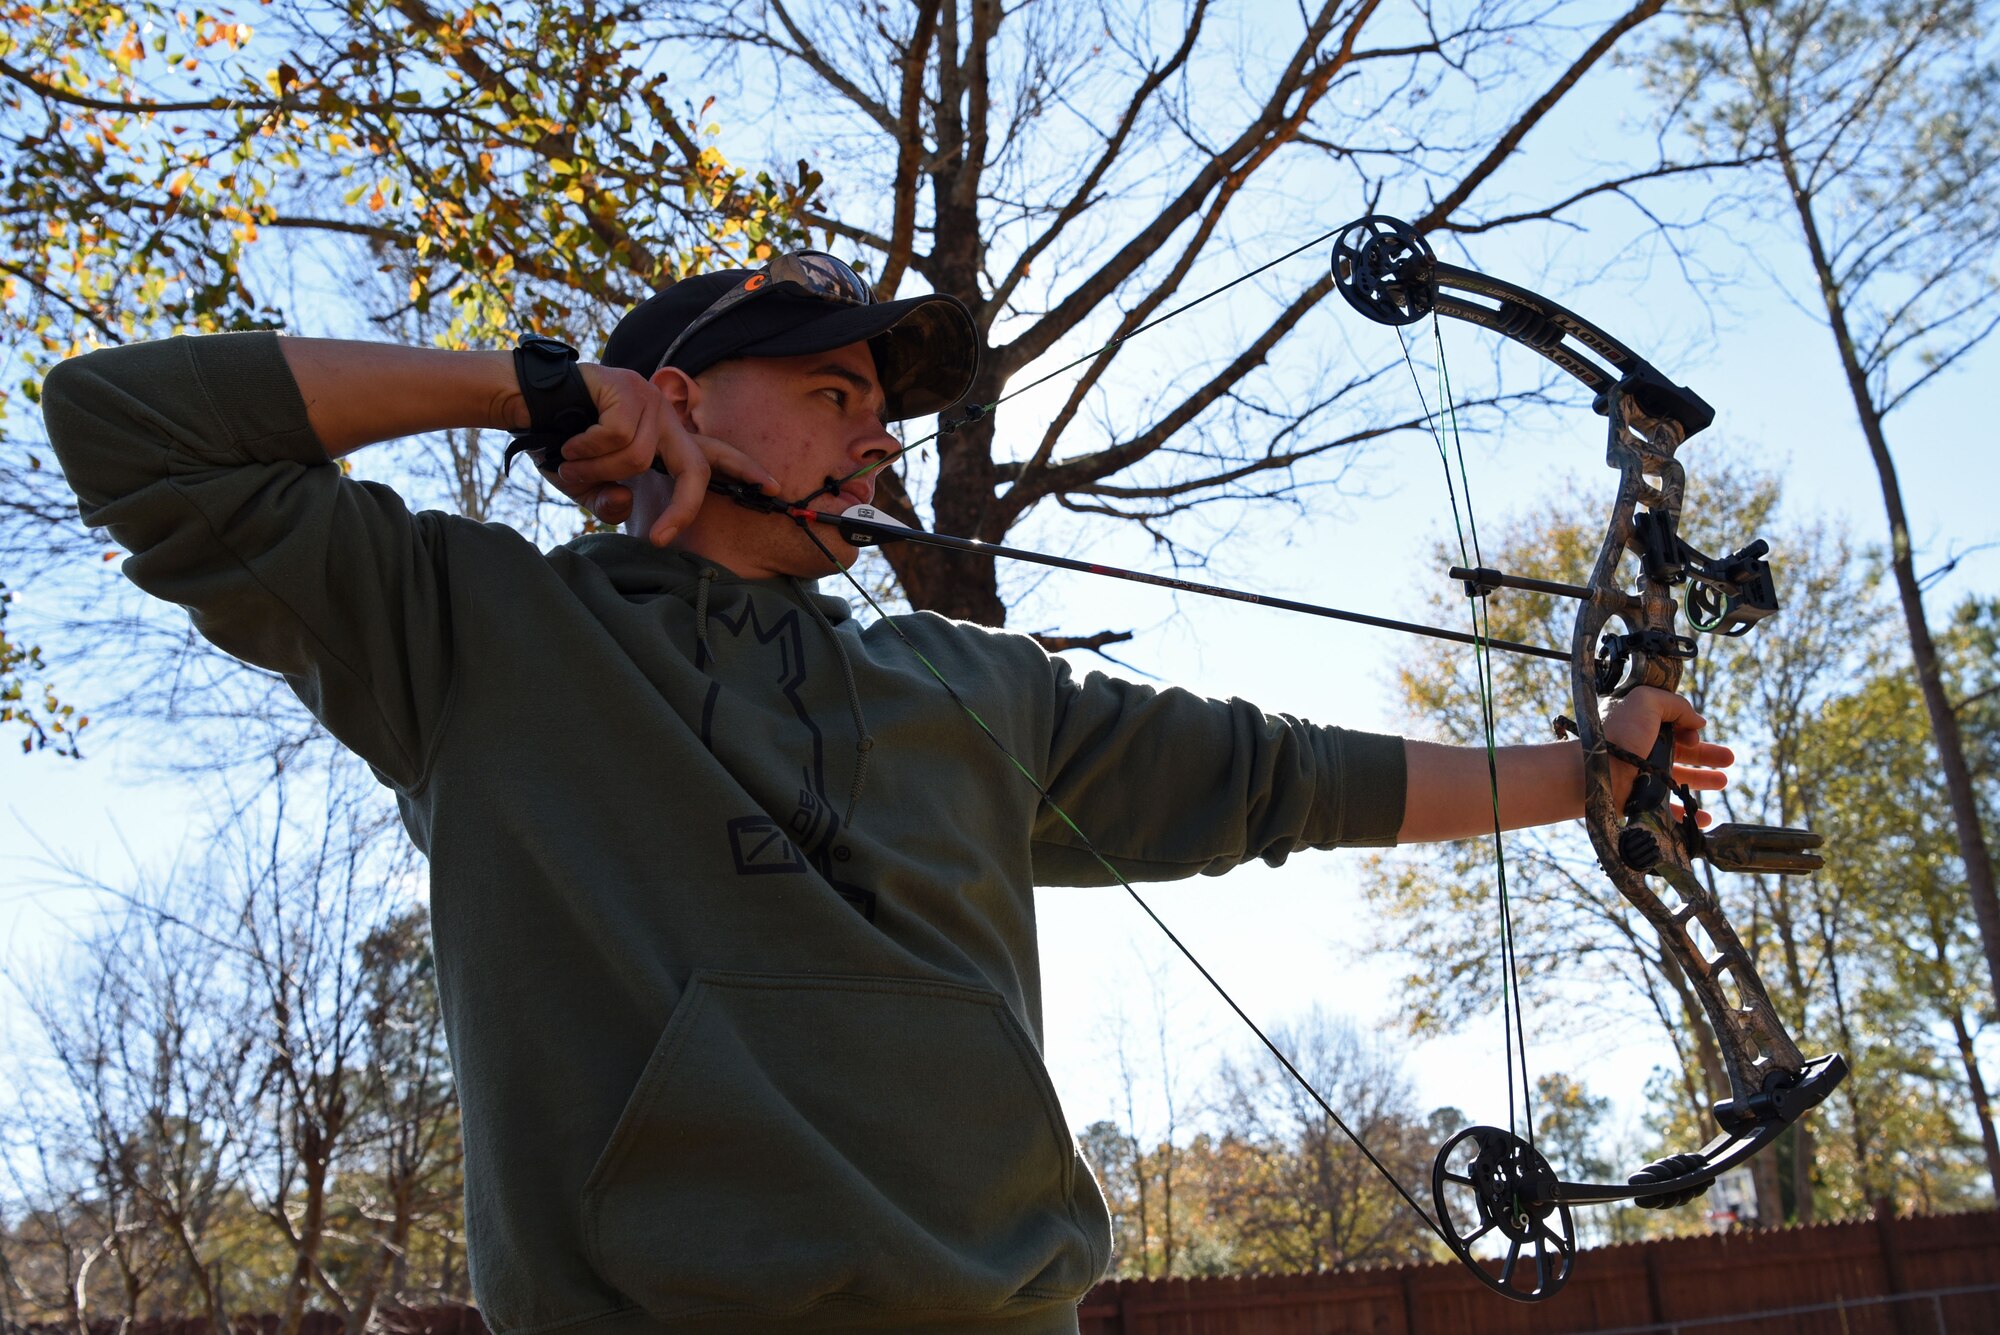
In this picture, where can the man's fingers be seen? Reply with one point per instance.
(612, 504)
(606, 436)
(1675, 709)
(1712, 754)
(622, 436)
(1635, 723)
(690, 490)
(728, 459)
(1701, 780)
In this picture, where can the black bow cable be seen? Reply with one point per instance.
(979, 410)
(1048, 800)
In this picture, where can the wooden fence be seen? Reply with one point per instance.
(1636, 1285)
(1874, 1277)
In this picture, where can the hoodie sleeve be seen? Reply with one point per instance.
(1167, 783)
(196, 455)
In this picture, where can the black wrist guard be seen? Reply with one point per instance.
(559, 403)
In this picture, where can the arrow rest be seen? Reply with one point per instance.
(1622, 659)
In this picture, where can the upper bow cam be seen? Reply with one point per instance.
(1491, 1189)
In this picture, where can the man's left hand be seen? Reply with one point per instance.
(1634, 723)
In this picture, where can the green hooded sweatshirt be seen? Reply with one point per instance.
(733, 907)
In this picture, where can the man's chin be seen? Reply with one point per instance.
(829, 555)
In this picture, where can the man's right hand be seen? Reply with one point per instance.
(640, 454)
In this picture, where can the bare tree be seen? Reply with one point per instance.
(1297, 1194)
(400, 1176)
(249, 1064)
(150, 1065)
(62, 1233)
(1880, 126)
(311, 885)
(1073, 171)
(1141, 1156)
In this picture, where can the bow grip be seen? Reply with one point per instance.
(1653, 783)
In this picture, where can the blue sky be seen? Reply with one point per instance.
(1285, 940)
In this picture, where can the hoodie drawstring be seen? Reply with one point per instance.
(701, 587)
(864, 744)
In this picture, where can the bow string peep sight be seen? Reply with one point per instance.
(1501, 1208)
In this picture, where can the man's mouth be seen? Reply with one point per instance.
(854, 491)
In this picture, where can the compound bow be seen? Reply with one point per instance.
(1488, 1183)
(1497, 1199)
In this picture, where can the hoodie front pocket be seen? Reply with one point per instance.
(800, 1139)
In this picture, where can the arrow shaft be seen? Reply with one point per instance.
(896, 532)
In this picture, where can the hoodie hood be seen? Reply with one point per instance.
(636, 568)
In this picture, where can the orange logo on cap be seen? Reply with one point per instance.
(754, 282)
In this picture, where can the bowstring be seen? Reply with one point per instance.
(1513, 1026)
(1090, 847)
(1465, 525)
(979, 410)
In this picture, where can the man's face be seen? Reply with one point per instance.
(808, 420)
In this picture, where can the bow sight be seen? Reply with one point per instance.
(1498, 1200)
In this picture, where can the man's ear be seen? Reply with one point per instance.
(682, 393)
(652, 490)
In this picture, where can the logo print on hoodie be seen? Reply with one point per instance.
(807, 833)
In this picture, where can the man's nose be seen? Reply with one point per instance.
(874, 444)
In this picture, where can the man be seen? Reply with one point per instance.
(733, 908)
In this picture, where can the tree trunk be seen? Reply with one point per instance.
(1870, 1174)
(1784, 927)
(1982, 1102)
(949, 583)
(1141, 1171)
(1805, 1157)
(385, 1270)
(1972, 848)
(315, 1153)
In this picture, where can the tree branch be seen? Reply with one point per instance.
(1508, 142)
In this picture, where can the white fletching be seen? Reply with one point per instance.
(870, 514)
